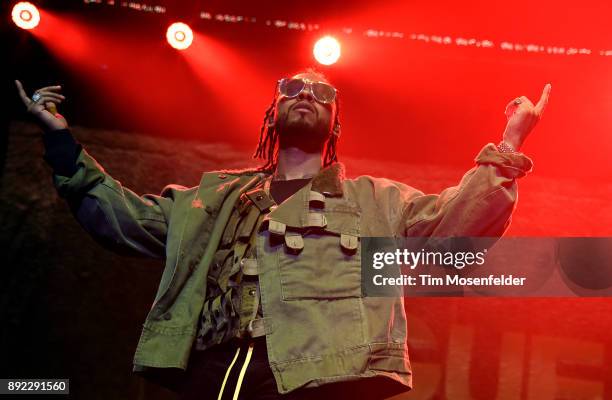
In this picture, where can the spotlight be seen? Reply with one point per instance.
(179, 35)
(25, 15)
(327, 50)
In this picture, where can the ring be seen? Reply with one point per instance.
(517, 101)
(35, 97)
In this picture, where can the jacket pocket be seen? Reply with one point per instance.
(322, 262)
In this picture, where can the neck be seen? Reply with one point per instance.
(294, 163)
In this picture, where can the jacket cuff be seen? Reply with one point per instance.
(61, 151)
(511, 165)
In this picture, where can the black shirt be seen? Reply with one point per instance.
(282, 190)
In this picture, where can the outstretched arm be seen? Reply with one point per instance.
(116, 217)
(483, 202)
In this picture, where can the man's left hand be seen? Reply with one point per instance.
(523, 117)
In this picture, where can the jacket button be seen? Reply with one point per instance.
(167, 316)
(252, 292)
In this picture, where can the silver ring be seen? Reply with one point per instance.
(517, 101)
(36, 96)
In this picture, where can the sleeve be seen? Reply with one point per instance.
(116, 217)
(481, 205)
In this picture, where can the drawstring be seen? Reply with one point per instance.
(227, 373)
(243, 370)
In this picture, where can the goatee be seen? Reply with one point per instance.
(302, 135)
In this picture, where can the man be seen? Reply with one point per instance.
(261, 294)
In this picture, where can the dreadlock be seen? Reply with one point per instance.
(330, 155)
(268, 138)
(266, 148)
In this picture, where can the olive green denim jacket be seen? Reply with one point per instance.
(319, 328)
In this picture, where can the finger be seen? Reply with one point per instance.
(539, 108)
(56, 87)
(525, 101)
(48, 99)
(511, 108)
(51, 94)
(511, 104)
(24, 97)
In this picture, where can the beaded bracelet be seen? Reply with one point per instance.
(504, 147)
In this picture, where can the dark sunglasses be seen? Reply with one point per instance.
(321, 91)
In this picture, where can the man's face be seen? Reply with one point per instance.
(302, 121)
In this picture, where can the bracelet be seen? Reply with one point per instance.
(504, 147)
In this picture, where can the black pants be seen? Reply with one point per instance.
(239, 370)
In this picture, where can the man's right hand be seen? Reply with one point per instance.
(44, 110)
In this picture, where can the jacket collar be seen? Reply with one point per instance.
(328, 181)
(294, 210)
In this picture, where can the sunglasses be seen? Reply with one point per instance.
(321, 91)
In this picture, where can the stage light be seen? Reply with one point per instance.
(25, 15)
(327, 50)
(179, 35)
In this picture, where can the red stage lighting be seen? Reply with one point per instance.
(327, 50)
(179, 35)
(25, 15)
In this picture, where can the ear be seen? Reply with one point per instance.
(271, 121)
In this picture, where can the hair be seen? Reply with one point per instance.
(267, 148)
